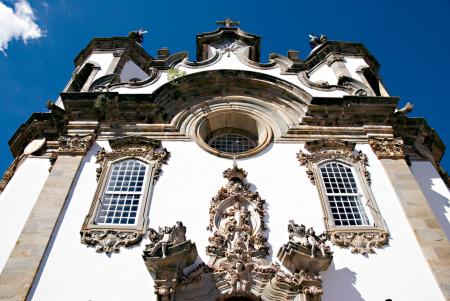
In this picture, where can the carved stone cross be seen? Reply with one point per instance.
(228, 23)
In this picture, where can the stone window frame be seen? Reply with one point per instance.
(360, 239)
(109, 238)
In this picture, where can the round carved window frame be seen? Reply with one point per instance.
(265, 128)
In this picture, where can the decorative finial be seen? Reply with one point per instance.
(137, 35)
(228, 23)
(235, 173)
(315, 41)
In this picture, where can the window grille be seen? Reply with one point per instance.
(123, 193)
(343, 196)
(232, 143)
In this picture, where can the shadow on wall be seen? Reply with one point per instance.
(340, 285)
(438, 203)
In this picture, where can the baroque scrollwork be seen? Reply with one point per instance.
(236, 217)
(109, 241)
(387, 148)
(360, 242)
(149, 150)
(75, 144)
(332, 149)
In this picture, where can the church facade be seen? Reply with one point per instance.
(224, 178)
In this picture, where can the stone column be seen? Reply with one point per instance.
(337, 63)
(25, 259)
(432, 240)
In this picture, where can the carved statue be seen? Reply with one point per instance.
(165, 237)
(308, 238)
(317, 242)
(316, 41)
(137, 35)
(297, 233)
(405, 110)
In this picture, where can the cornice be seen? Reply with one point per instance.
(320, 54)
(112, 44)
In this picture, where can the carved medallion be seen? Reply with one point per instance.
(236, 217)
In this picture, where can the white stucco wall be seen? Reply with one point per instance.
(353, 64)
(435, 190)
(131, 70)
(104, 59)
(323, 73)
(17, 200)
(184, 191)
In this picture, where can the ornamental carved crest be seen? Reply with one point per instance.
(320, 150)
(387, 148)
(236, 218)
(147, 149)
(75, 144)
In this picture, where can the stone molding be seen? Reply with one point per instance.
(320, 150)
(359, 239)
(334, 57)
(388, 148)
(147, 149)
(110, 238)
(75, 145)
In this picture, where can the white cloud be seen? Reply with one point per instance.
(17, 23)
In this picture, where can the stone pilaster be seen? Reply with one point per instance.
(432, 240)
(337, 63)
(25, 259)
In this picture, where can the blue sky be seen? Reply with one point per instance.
(410, 39)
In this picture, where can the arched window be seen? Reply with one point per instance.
(123, 193)
(119, 213)
(341, 175)
(342, 193)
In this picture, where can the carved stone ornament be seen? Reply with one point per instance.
(387, 148)
(109, 241)
(163, 238)
(320, 150)
(166, 256)
(9, 172)
(360, 242)
(305, 256)
(236, 217)
(239, 275)
(147, 149)
(75, 144)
